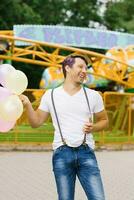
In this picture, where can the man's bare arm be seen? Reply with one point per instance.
(35, 117)
(101, 123)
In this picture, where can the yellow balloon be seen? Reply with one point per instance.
(11, 109)
(16, 81)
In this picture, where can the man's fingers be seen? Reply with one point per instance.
(88, 123)
(88, 127)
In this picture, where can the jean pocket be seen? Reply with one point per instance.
(90, 149)
(59, 149)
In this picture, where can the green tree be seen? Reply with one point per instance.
(16, 12)
(81, 13)
(119, 16)
(66, 12)
(50, 11)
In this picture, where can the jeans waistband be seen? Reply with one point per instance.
(74, 148)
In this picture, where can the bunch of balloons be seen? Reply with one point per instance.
(13, 83)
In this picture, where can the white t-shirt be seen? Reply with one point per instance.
(73, 113)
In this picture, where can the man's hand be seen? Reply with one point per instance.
(100, 124)
(88, 127)
(25, 100)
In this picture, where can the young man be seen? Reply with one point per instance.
(72, 108)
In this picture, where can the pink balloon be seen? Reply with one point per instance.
(6, 126)
(5, 69)
(4, 93)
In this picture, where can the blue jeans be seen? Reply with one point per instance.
(69, 162)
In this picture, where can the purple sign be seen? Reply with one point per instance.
(73, 36)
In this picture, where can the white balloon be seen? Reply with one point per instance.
(11, 109)
(4, 70)
(16, 82)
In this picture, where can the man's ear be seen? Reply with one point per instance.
(67, 68)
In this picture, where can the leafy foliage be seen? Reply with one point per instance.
(16, 12)
(119, 16)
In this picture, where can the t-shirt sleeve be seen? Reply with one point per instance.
(44, 104)
(98, 103)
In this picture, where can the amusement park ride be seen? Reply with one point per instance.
(117, 65)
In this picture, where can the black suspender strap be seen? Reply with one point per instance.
(63, 140)
(57, 117)
(87, 100)
(84, 141)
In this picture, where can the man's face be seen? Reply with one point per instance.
(78, 72)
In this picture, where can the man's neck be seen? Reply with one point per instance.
(71, 87)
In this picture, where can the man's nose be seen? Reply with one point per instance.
(84, 70)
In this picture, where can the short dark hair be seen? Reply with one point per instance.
(70, 60)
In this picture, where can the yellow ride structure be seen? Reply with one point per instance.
(115, 65)
(112, 66)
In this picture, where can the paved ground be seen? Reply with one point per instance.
(28, 176)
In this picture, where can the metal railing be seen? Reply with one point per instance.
(120, 109)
